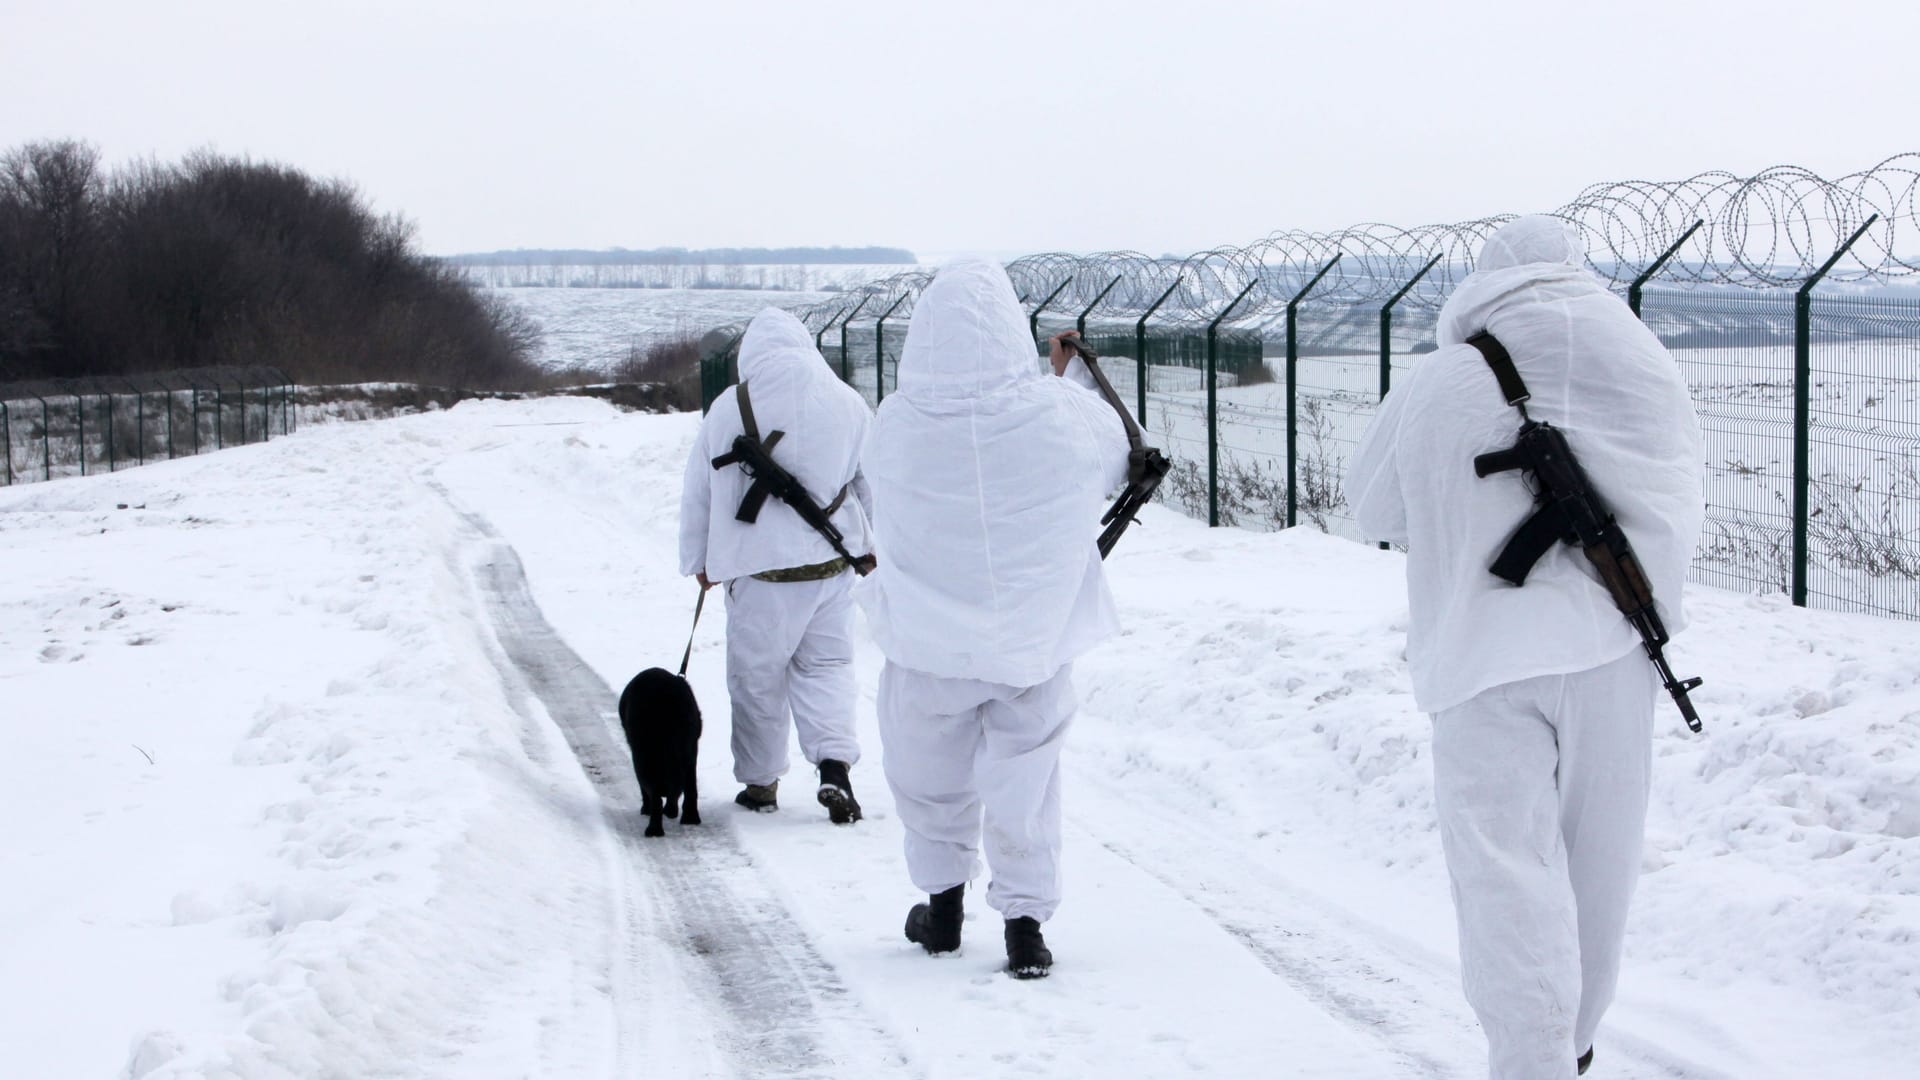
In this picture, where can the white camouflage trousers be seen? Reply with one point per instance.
(957, 751)
(1541, 787)
(790, 654)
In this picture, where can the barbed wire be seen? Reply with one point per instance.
(1772, 230)
(178, 380)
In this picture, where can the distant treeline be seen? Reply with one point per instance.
(672, 256)
(218, 260)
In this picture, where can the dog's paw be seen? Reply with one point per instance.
(654, 828)
(691, 816)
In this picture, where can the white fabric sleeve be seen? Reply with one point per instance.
(862, 493)
(1078, 374)
(1373, 476)
(1106, 434)
(696, 492)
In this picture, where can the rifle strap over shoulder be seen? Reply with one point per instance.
(752, 430)
(838, 499)
(1501, 362)
(1135, 440)
(746, 411)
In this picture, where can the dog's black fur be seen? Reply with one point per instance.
(662, 723)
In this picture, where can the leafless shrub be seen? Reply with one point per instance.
(1854, 527)
(1322, 470)
(673, 363)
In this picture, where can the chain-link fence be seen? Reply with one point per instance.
(1786, 299)
(78, 427)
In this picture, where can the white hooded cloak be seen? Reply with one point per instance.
(792, 390)
(1599, 375)
(989, 479)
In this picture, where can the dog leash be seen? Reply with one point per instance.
(688, 655)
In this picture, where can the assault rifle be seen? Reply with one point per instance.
(769, 477)
(1146, 465)
(1566, 508)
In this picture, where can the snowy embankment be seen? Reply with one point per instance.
(302, 780)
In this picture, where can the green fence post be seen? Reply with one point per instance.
(1633, 290)
(1386, 337)
(6, 437)
(195, 424)
(139, 422)
(111, 463)
(846, 371)
(1140, 349)
(1033, 320)
(1293, 396)
(46, 438)
(714, 377)
(824, 327)
(242, 380)
(1080, 324)
(819, 339)
(1803, 411)
(1386, 326)
(1213, 409)
(80, 418)
(880, 352)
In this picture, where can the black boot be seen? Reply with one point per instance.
(1584, 1061)
(935, 925)
(760, 798)
(1027, 955)
(836, 793)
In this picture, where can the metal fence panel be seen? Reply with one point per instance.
(82, 427)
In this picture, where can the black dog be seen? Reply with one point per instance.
(662, 724)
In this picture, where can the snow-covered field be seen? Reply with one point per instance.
(1865, 459)
(594, 327)
(310, 771)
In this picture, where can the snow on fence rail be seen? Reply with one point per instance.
(1259, 367)
(76, 427)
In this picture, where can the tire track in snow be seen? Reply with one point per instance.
(791, 1015)
(1410, 1005)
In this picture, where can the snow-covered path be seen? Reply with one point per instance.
(389, 828)
(1147, 982)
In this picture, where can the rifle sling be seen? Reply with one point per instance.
(746, 411)
(1543, 528)
(757, 492)
(1497, 358)
(1135, 441)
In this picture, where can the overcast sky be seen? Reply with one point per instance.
(1157, 125)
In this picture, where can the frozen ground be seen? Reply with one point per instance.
(595, 327)
(310, 771)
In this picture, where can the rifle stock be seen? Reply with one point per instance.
(1568, 508)
(1152, 467)
(1146, 465)
(770, 478)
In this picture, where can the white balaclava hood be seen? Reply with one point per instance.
(1596, 373)
(1535, 238)
(1531, 257)
(988, 482)
(967, 336)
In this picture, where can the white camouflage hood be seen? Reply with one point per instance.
(988, 479)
